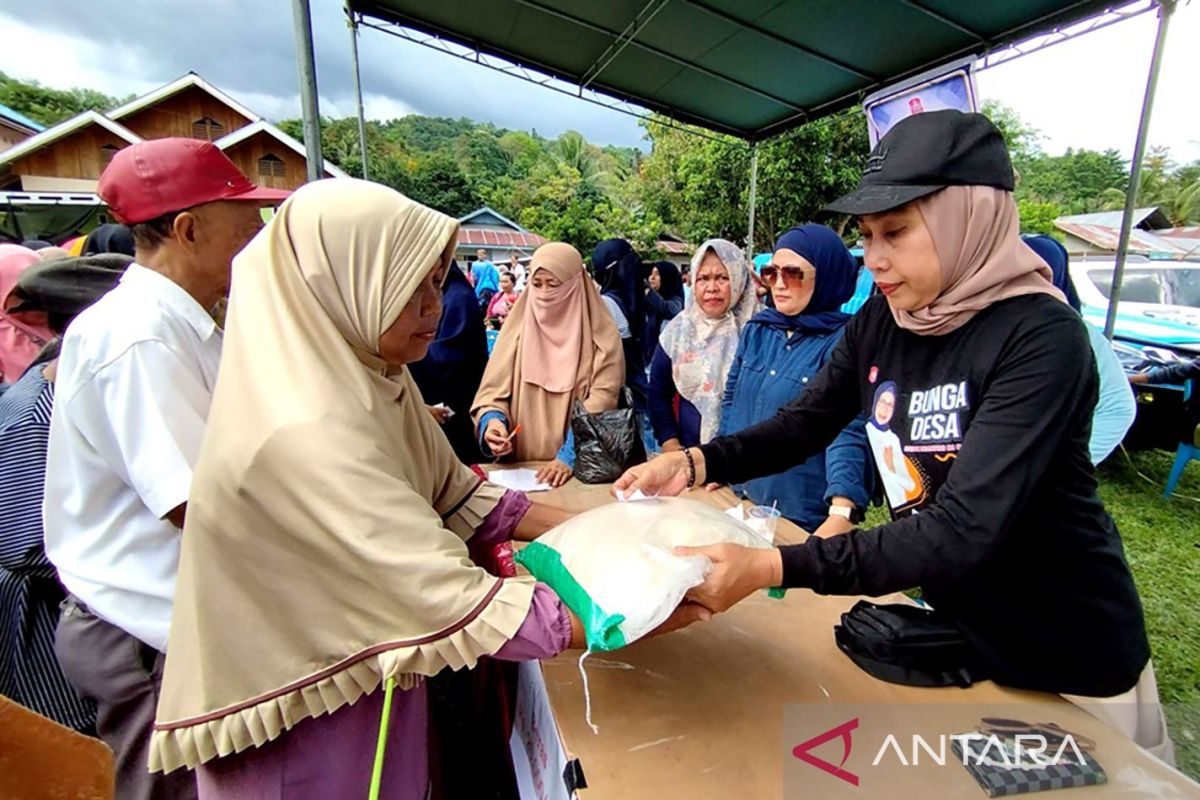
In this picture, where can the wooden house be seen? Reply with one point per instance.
(488, 230)
(15, 127)
(69, 157)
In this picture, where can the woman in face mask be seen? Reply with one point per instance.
(558, 345)
(995, 388)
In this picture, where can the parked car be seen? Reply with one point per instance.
(1158, 323)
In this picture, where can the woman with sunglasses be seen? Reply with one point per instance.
(696, 348)
(995, 386)
(810, 275)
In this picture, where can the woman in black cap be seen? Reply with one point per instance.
(992, 389)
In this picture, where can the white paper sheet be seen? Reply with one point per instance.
(519, 480)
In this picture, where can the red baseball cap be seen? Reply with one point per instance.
(152, 178)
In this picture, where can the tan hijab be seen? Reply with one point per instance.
(556, 345)
(977, 235)
(324, 547)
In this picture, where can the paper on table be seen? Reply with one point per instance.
(633, 498)
(519, 480)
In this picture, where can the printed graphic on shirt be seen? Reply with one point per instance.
(902, 483)
(914, 439)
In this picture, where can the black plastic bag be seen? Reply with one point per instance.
(608, 442)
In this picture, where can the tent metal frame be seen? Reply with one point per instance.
(988, 56)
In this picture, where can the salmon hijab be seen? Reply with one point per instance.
(324, 549)
(556, 346)
(20, 342)
(977, 234)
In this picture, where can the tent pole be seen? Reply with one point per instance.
(753, 199)
(307, 66)
(1165, 8)
(362, 120)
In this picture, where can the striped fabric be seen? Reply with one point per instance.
(29, 587)
(618, 316)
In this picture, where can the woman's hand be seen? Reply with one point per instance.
(736, 573)
(495, 436)
(555, 473)
(1139, 378)
(833, 526)
(685, 614)
(440, 415)
(665, 474)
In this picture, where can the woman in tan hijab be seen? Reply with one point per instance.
(983, 379)
(326, 545)
(558, 345)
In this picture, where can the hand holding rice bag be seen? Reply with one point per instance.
(614, 566)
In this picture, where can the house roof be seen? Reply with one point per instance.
(486, 211)
(751, 69)
(673, 247)
(484, 237)
(1150, 218)
(19, 120)
(175, 87)
(1105, 237)
(262, 126)
(75, 123)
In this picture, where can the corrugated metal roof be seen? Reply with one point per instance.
(674, 248)
(1140, 241)
(1112, 219)
(493, 238)
(20, 119)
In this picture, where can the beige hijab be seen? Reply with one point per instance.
(977, 234)
(324, 548)
(556, 345)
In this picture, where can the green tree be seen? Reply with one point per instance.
(438, 182)
(52, 106)
(1038, 216)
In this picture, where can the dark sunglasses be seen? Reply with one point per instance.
(792, 276)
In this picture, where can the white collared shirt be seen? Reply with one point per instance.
(135, 381)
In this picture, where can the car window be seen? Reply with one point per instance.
(1180, 287)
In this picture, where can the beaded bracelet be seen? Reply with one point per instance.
(691, 468)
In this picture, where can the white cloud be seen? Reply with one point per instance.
(1087, 92)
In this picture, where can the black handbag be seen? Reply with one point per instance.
(608, 442)
(908, 645)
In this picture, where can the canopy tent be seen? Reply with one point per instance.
(748, 68)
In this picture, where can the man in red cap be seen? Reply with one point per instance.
(135, 380)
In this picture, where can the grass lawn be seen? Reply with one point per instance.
(1162, 543)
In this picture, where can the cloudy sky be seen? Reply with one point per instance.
(1082, 93)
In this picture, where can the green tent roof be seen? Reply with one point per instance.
(751, 68)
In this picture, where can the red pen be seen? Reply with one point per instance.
(515, 431)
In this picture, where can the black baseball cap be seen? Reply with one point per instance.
(63, 287)
(924, 154)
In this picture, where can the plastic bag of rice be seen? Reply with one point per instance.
(614, 566)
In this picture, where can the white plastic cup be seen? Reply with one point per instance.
(763, 520)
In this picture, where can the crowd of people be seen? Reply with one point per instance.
(253, 527)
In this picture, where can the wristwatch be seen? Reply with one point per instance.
(844, 512)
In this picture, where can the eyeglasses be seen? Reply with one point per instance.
(792, 276)
(720, 280)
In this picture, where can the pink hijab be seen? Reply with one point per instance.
(19, 341)
(976, 232)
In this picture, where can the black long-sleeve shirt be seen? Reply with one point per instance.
(994, 498)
